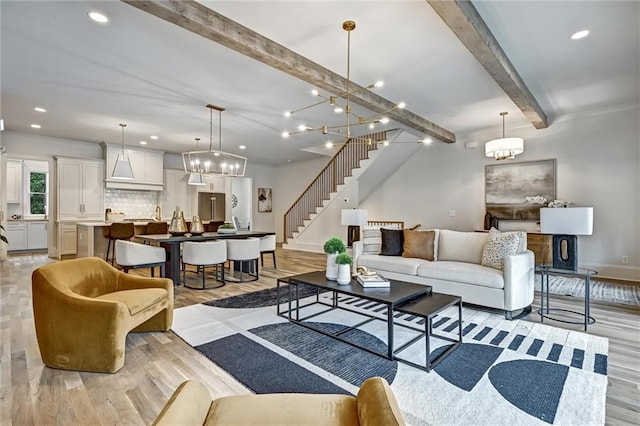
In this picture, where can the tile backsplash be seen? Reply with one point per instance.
(135, 204)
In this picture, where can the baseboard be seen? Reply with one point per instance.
(615, 272)
(310, 247)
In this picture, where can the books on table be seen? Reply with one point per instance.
(368, 281)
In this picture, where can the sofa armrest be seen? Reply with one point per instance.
(189, 405)
(134, 282)
(518, 280)
(377, 405)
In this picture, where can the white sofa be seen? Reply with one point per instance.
(457, 270)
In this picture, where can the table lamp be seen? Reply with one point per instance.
(565, 224)
(354, 219)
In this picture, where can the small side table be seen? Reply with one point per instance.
(545, 311)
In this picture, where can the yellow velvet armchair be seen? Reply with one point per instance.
(191, 405)
(84, 308)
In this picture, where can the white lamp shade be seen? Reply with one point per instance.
(122, 169)
(354, 217)
(196, 179)
(567, 221)
(504, 147)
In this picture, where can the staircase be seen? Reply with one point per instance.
(326, 183)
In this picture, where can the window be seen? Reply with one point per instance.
(38, 196)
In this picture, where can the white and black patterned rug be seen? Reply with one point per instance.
(504, 373)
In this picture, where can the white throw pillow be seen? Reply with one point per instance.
(371, 240)
(498, 246)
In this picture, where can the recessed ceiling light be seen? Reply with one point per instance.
(36, 126)
(98, 17)
(426, 141)
(143, 142)
(384, 120)
(579, 35)
(154, 137)
(328, 145)
(40, 109)
(242, 147)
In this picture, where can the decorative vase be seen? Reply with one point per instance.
(332, 267)
(196, 226)
(344, 274)
(178, 226)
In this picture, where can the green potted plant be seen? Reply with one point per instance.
(227, 228)
(344, 261)
(332, 247)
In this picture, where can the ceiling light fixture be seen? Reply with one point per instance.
(40, 109)
(36, 126)
(504, 148)
(122, 169)
(214, 162)
(98, 17)
(242, 147)
(143, 142)
(580, 34)
(196, 178)
(333, 101)
(154, 137)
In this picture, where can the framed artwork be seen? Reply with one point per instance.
(507, 187)
(264, 200)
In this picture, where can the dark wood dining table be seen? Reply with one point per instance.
(171, 244)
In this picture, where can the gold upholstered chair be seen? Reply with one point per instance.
(191, 404)
(84, 308)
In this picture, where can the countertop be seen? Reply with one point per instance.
(98, 223)
(27, 220)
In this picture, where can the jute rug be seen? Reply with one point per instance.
(504, 373)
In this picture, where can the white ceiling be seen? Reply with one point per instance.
(157, 78)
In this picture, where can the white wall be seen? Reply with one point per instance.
(598, 164)
(23, 144)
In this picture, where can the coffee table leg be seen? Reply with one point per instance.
(297, 302)
(587, 295)
(427, 339)
(390, 331)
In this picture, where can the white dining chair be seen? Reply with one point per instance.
(130, 255)
(268, 246)
(202, 255)
(244, 253)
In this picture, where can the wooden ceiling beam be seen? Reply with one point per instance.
(207, 23)
(467, 24)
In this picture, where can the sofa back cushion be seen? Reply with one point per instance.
(458, 246)
(419, 244)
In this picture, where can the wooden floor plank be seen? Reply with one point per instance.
(156, 363)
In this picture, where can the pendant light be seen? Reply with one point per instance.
(504, 148)
(195, 177)
(122, 169)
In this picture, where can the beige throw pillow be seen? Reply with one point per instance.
(418, 244)
(498, 246)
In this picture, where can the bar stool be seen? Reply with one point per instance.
(201, 255)
(244, 254)
(118, 231)
(268, 246)
(156, 228)
(130, 255)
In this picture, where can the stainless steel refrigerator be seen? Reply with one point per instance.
(211, 206)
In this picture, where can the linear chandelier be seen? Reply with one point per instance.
(213, 162)
(334, 102)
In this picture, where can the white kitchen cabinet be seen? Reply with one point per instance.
(215, 184)
(67, 238)
(17, 236)
(80, 188)
(147, 167)
(37, 235)
(177, 192)
(14, 182)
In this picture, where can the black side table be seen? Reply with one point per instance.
(545, 311)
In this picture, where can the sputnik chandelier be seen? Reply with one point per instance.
(213, 162)
(334, 101)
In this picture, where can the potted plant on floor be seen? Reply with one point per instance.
(344, 261)
(332, 247)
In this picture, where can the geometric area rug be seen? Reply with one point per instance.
(504, 373)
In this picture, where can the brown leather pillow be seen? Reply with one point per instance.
(418, 244)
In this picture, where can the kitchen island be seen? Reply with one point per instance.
(91, 237)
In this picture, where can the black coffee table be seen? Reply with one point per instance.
(397, 294)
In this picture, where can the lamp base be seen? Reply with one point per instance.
(353, 234)
(565, 252)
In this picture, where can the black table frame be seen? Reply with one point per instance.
(353, 289)
(545, 309)
(171, 244)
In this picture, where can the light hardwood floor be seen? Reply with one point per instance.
(156, 363)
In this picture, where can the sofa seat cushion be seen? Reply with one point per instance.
(398, 264)
(468, 273)
(284, 409)
(136, 300)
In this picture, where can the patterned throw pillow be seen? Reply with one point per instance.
(371, 240)
(498, 246)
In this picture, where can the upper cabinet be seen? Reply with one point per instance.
(177, 193)
(80, 189)
(14, 181)
(147, 168)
